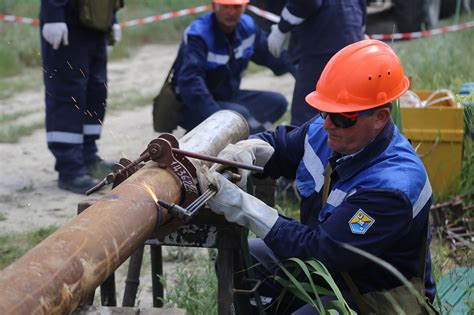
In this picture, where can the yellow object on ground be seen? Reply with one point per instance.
(437, 134)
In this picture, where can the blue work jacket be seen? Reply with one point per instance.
(210, 64)
(322, 26)
(378, 202)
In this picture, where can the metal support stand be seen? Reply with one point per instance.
(156, 274)
(206, 229)
(225, 274)
(107, 288)
(133, 277)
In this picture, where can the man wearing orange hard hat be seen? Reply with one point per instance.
(213, 57)
(361, 185)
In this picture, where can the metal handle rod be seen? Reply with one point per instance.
(195, 207)
(209, 158)
(201, 199)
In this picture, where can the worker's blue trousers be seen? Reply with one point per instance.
(75, 78)
(260, 108)
(308, 71)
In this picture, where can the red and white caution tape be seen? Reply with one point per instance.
(260, 12)
(165, 16)
(275, 18)
(19, 19)
(146, 20)
(265, 14)
(435, 31)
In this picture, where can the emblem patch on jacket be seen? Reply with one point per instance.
(360, 222)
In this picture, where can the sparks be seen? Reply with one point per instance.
(150, 191)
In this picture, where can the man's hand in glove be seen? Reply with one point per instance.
(252, 151)
(239, 207)
(276, 39)
(54, 33)
(117, 32)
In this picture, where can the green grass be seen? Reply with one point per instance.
(6, 118)
(3, 216)
(15, 245)
(128, 101)
(195, 288)
(28, 79)
(308, 290)
(440, 61)
(14, 133)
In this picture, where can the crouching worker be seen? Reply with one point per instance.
(361, 184)
(213, 56)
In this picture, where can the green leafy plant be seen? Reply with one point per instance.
(194, 288)
(308, 291)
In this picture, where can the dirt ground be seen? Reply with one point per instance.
(29, 197)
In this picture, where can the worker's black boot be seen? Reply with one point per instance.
(99, 168)
(78, 185)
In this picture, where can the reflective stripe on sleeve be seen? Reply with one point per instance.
(246, 43)
(423, 198)
(216, 58)
(336, 197)
(290, 18)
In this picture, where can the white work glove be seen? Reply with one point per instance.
(239, 207)
(276, 39)
(117, 32)
(54, 33)
(253, 152)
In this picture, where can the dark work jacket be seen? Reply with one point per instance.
(378, 202)
(322, 27)
(210, 64)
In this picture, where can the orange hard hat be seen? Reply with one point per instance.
(362, 75)
(231, 2)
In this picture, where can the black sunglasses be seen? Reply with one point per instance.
(349, 119)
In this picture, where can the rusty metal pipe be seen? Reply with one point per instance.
(58, 273)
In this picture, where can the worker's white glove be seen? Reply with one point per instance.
(54, 33)
(252, 151)
(239, 207)
(117, 32)
(276, 39)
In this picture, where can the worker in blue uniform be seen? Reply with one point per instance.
(361, 184)
(75, 78)
(212, 59)
(319, 28)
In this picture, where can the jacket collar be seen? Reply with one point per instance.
(231, 38)
(348, 167)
